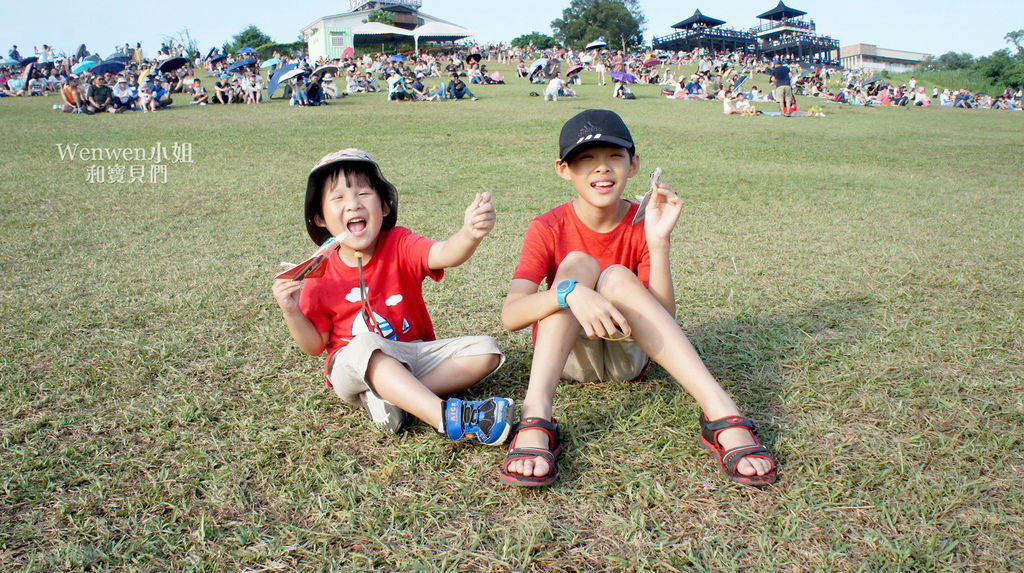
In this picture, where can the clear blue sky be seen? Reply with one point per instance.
(933, 27)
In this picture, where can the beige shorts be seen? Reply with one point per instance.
(783, 94)
(598, 359)
(348, 365)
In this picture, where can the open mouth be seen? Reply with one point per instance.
(602, 185)
(356, 225)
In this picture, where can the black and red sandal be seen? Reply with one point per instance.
(727, 459)
(549, 455)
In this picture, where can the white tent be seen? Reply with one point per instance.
(439, 31)
(383, 31)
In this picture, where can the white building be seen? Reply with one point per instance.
(877, 59)
(328, 36)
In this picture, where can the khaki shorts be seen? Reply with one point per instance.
(783, 94)
(598, 360)
(348, 365)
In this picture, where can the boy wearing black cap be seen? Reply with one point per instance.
(367, 309)
(609, 304)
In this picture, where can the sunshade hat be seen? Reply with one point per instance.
(331, 163)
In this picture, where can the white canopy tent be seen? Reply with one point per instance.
(438, 32)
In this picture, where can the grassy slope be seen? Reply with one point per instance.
(854, 281)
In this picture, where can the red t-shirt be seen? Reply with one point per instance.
(553, 235)
(394, 284)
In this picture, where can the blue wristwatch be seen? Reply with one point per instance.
(564, 288)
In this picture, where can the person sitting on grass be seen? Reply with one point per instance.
(74, 102)
(610, 305)
(367, 309)
(100, 97)
(457, 88)
(199, 95)
(122, 96)
(555, 87)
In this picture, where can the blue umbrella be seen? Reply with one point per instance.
(218, 58)
(116, 57)
(93, 58)
(29, 60)
(270, 62)
(83, 66)
(240, 64)
(247, 50)
(398, 58)
(539, 63)
(171, 64)
(107, 66)
(276, 78)
(623, 76)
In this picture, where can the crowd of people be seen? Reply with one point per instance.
(144, 84)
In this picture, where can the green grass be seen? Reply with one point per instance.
(854, 281)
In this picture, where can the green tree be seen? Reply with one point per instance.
(1016, 38)
(536, 39)
(954, 61)
(251, 37)
(586, 20)
(382, 16)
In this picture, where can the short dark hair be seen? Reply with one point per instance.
(348, 170)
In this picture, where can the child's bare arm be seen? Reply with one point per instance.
(661, 216)
(596, 314)
(455, 250)
(311, 341)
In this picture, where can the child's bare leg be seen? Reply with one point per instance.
(457, 374)
(657, 333)
(556, 335)
(393, 382)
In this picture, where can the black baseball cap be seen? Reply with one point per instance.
(592, 127)
(331, 163)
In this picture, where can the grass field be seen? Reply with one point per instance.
(856, 282)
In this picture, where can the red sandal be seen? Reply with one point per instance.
(549, 455)
(727, 459)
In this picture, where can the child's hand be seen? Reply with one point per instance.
(480, 216)
(596, 314)
(287, 291)
(661, 215)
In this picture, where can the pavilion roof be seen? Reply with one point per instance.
(781, 12)
(698, 18)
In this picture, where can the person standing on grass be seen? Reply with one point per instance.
(367, 309)
(609, 307)
(783, 87)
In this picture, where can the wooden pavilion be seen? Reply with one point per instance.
(700, 31)
(784, 33)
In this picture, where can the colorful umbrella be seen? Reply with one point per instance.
(573, 70)
(247, 50)
(83, 66)
(652, 62)
(398, 58)
(275, 80)
(624, 77)
(240, 64)
(270, 62)
(107, 67)
(327, 69)
(348, 52)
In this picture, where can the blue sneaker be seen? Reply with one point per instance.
(384, 414)
(487, 422)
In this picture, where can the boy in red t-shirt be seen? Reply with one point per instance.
(367, 309)
(609, 304)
